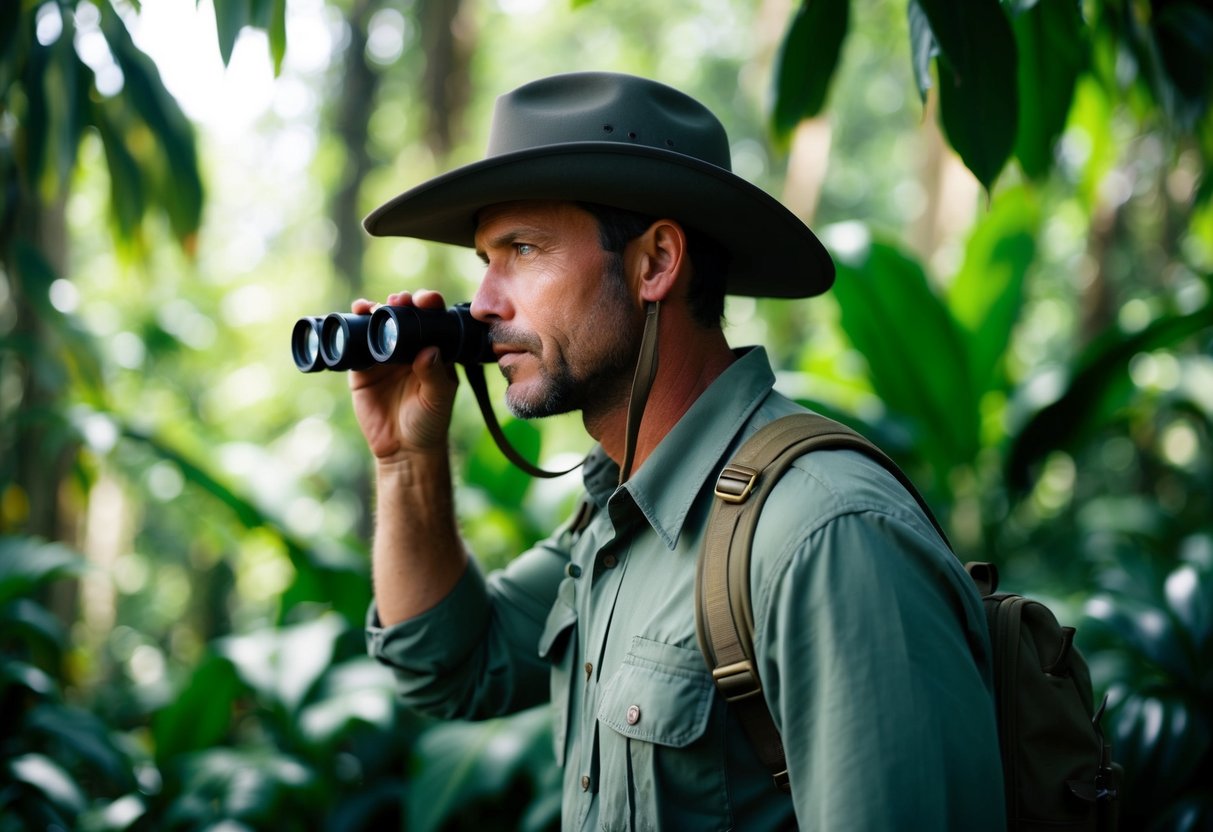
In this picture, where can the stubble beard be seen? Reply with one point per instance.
(603, 384)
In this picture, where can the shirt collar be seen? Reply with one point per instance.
(666, 485)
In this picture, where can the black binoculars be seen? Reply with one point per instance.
(389, 335)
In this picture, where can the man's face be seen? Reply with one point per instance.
(562, 323)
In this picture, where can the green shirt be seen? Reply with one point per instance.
(870, 639)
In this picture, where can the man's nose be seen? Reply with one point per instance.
(490, 304)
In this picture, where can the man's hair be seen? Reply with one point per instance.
(709, 261)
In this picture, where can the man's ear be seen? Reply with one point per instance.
(658, 258)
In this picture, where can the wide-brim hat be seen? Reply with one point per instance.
(629, 143)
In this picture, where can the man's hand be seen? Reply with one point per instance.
(405, 408)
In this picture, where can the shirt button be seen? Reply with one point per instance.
(589, 670)
(610, 561)
(573, 570)
(585, 782)
(633, 714)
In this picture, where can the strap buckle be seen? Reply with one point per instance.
(735, 483)
(737, 681)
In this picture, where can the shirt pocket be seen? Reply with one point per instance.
(662, 759)
(557, 644)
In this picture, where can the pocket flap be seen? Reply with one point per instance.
(660, 694)
(560, 621)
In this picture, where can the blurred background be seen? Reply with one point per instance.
(1018, 199)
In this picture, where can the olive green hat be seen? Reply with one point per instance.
(629, 143)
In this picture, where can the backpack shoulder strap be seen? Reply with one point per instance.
(724, 618)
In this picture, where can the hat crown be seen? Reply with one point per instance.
(606, 107)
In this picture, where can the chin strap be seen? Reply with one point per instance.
(475, 375)
(642, 382)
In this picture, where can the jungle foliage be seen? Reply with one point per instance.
(184, 521)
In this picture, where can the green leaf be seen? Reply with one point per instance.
(461, 766)
(987, 294)
(66, 103)
(1160, 740)
(1183, 32)
(226, 785)
(202, 713)
(34, 626)
(1189, 593)
(84, 736)
(283, 665)
(1053, 51)
(914, 349)
(488, 468)
(127, 203)
(923, 47)
(277, 35)
(807, 60)
(180, 189)
(48, 777)
(977, 81)
(359, 691)
(27, 564)
(1091, 396)
(231, 16)
(37, 121)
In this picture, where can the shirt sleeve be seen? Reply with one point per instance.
(873, 654)
(475, 654)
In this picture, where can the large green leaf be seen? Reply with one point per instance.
(127, 201)
(202, 713)
(488, 468)
(27, 564)
(987, 295)
(1053, 50)
(460, 767)
(807, 60)
(284, 664)
(222, 786)
(1159, 739)
(1096, 389)
(180, 180)
(65, 84)
(76, 733)
(977, 81)
(231, 16)
(916, 355)
(50, 778)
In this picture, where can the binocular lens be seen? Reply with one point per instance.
(305, 345)
(343, 341)
(387, 335)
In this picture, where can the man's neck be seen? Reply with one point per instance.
(690, 358)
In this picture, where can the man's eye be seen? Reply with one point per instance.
(524, 249)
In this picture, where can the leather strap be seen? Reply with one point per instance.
(475, 375)
(724, 618)
(642, 383)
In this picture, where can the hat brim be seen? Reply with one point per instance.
(772, 252)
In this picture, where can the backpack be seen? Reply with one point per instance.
(1057, 767)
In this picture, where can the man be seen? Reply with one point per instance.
(604, 208)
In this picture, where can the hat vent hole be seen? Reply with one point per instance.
(606, 128)
(632, 136)
(669, 142)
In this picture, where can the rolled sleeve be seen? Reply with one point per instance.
(475, 654)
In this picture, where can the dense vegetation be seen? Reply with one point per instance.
(1018, 199)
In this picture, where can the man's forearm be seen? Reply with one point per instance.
(418, 556)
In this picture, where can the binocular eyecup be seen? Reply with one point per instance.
(389, 335)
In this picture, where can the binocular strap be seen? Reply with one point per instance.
(475, 375)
